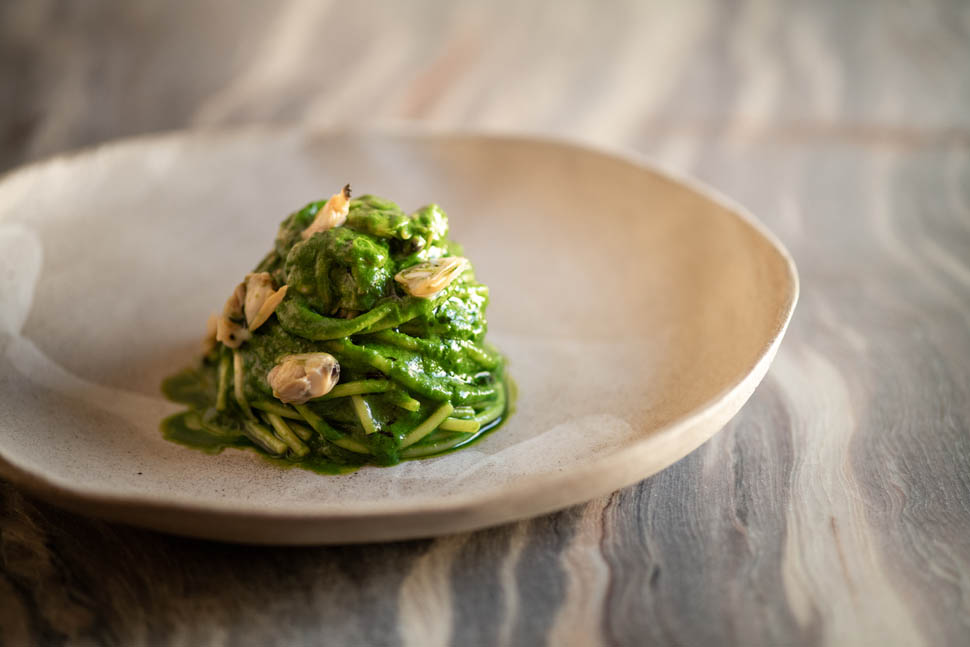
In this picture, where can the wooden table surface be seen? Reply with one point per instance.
(834, 509)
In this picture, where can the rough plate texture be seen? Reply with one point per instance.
(638, 313)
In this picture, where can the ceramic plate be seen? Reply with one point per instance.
(638, 311)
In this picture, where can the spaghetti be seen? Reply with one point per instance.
(359, 338)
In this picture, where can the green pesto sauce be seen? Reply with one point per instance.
(425, 380)
(181, 428)
(187, 428)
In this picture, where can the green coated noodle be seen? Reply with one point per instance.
(329, 433)
(364, 414)
(429, 425)
(223, 387)
(403, 373)
(238, 383)
(458, 424)
(401, 399)
(264, 437)
(356, 388)
(451, 441)
(280, 409)
(284, 433)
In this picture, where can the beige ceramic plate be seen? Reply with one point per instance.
(639, 313)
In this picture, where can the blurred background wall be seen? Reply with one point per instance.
(653, 75)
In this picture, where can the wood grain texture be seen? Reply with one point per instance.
(834, 510)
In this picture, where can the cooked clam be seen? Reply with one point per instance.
(333, 214)
(234, 304)
(261, 298)
(297, 379)
(231, 333)
(431, 277)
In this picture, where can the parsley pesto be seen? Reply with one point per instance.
(359, 338)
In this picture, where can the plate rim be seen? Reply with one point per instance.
(715, 412)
